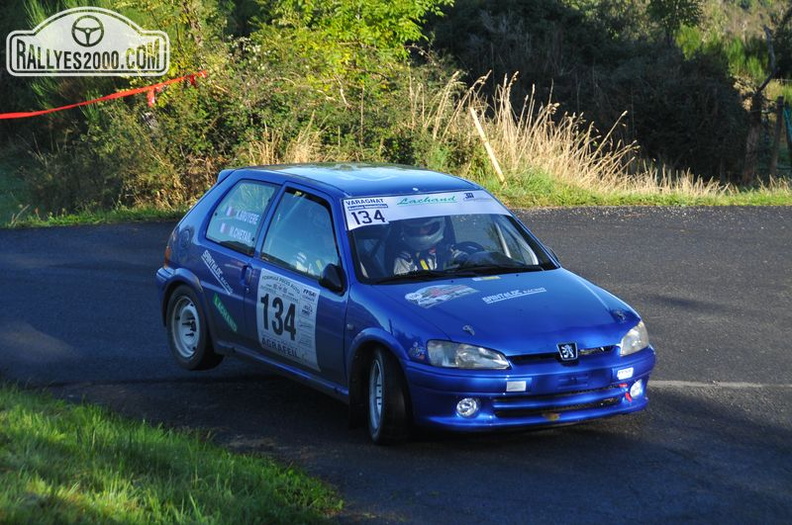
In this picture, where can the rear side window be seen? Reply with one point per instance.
(236, 219)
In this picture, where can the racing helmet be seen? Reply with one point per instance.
(422, 234)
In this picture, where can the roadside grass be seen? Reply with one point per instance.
(33, 219)
(529, 189)
(62, 463)
(550, 158)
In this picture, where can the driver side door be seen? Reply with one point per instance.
(298, 322)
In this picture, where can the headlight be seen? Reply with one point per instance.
(458, 355)
(635, 340)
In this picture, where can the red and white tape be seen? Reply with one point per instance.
(150, 92)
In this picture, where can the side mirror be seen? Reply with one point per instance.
(332, 278)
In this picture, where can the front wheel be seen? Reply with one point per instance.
(388, 408)
(188, 333)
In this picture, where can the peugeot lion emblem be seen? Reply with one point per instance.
(568, 351)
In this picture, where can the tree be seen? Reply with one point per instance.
(783, 37)
(673, 14)
(355, 35)
(757, 99)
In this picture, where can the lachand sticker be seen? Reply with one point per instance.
(367, 211)
(224, 313)
(286, 318)
(433, 295)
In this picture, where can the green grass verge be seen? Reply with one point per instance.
(532, 189)
(63, 464)
(33, 220)
(536, 190)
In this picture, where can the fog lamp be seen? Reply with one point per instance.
(637, 389)
(468, 407)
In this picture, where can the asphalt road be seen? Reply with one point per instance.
(80, 317)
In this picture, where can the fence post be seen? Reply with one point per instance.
(779, 114)
(487, 146)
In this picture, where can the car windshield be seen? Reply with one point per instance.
(443, 246)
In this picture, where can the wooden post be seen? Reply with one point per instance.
(752, 140)
(487, 146)
(779, 113)
(788, 127)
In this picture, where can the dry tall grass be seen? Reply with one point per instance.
(530, 139)
(535, 137)
(273, 148)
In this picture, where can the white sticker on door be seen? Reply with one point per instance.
(286, 318)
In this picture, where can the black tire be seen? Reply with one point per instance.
(388, 406)
(188, 331)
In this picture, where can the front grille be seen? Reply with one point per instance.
(607, 402)
(526, 405)
(554, 356)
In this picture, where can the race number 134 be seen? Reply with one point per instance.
(363, 217)
(279, 316)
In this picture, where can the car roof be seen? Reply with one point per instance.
(359, 179)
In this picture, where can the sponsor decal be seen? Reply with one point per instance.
(625, 373)
(224, 313)
(371, 202)
(87, 41)
(433, 295)
(428, 199)
(368, 211)
(513, 294)
(249, 217)
(238, 234)
(286, 318)
(215, 269)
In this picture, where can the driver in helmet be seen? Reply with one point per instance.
(422, 245)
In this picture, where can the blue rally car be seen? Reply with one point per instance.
(414, 296)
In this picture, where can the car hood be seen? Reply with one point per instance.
(518, 314)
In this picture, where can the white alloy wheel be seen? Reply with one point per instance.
(186, 327)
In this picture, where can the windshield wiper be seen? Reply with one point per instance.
(492, 269)
(461, 271)
(418, 275)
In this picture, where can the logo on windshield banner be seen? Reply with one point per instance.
(87, 41)
(568, 351)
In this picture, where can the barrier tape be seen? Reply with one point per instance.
(151, 93)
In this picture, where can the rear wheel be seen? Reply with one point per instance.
(388, 409)
(188, 333)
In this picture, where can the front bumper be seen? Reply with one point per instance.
(539, 394)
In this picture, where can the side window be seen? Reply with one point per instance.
(236, 219)
(301, 234)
